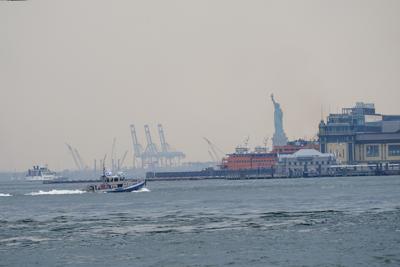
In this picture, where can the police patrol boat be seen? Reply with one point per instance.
(116, 184)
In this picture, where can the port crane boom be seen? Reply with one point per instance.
(137, 147)
(71, 150)
(212, 156)
(213, 151)
(80, 160)
(151, 154)
(123, 159)
(164, 145)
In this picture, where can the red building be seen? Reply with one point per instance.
(249, 161)
(243, 160)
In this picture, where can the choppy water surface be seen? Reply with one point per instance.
(291, 222)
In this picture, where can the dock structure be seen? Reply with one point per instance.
(211, 173)
(272, 173)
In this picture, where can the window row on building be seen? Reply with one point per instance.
(373, 151)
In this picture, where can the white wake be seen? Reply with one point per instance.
(5, 195)
(56, 192)
(144, 189)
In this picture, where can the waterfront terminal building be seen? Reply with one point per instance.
(304, 163)
(359, 135)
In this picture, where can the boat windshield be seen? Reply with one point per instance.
(114, 179)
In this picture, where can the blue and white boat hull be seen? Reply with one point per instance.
(134, 187)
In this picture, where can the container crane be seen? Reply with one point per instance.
(164, 145)
(168, 155)
(137, 148)
(151, 154)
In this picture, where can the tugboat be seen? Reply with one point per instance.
(116, 184)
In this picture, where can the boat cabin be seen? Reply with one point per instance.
(114, 179)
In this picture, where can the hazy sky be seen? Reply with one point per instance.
(82, 71)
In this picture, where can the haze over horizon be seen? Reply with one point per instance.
(82, 71)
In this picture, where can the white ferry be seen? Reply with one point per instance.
(39, 173)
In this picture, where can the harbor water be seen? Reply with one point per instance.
(348, 221)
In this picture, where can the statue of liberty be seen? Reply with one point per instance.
(279, 138)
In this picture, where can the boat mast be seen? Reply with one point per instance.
(104, 165)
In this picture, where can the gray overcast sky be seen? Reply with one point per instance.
(82, 71)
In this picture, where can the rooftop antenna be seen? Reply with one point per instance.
(246, 141)
(266, 141)
(322, 112)
(104, 165)
(113, 153)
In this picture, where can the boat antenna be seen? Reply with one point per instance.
(104, 164)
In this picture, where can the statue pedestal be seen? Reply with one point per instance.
(279, 139)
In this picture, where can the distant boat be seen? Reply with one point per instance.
(39, 173)
(116, 184)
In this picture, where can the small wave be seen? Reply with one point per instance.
(304, 230)
(5, 195)
(55, 192)
(144, 189)
(23, 238)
